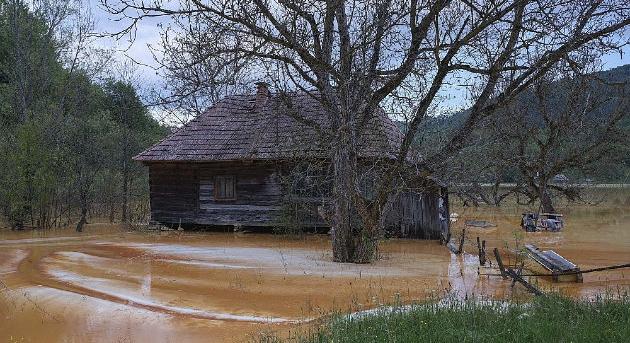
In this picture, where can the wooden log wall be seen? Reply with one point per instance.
(172, 191)
(184, 193)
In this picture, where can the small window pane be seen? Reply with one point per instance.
(224, 187)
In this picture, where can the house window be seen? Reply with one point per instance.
(224, 188)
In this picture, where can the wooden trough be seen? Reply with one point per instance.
(562, 270)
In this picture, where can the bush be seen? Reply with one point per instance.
(292, 217)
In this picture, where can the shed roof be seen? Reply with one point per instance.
(237, 128)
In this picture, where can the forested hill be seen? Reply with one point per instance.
(446, 122)
(615, 167)
(619, 74)
(67, 130)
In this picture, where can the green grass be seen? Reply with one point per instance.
(545, 319)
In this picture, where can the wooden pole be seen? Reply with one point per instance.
(500, 262)
(482, 251)
(479, 249)
(461, 242)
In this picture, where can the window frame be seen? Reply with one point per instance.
(217, 179)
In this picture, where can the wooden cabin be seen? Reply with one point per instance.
(228, 167)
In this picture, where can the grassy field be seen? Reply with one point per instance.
(545, 319)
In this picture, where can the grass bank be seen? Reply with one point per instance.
(545, 319)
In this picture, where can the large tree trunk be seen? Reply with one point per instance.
(351, 240)
(545, 201)
(537, 187)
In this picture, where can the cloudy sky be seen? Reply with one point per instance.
(139, 53)
(148, 35)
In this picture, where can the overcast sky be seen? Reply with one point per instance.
(148, 34)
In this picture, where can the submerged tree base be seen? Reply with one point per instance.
(354, 248)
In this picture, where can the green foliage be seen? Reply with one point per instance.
(66, 141)
(304, 186)
(292, 217)
(545, 319)
(29, 171)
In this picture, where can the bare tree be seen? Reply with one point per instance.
(354, 56)
(567, 122)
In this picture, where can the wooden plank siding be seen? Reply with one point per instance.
(414, 215)
(184, 193)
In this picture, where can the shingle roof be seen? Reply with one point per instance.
(236, 129)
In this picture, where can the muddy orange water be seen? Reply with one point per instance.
(109, 285)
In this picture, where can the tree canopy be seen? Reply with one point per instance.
(66, 135)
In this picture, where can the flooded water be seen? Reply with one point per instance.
(108, 285)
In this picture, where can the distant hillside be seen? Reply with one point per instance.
(615, 75)
(436, 130)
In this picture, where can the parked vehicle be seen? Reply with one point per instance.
(534, 222)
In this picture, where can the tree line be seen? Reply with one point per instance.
(555, 139)
(67, 130)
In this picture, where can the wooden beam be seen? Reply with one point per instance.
(497, 256)
(518, 278)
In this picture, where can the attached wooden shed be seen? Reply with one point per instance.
(226, 167)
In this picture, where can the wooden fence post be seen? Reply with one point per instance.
(483, 247)
(482, 251)
(461, 242)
